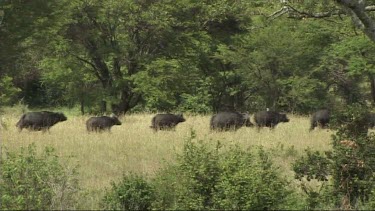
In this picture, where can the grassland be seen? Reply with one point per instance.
(133, 146)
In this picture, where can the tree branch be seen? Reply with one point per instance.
(357, 10)
(84, 60)
(2, 14)
(89, 63)
(298, 14)
(279, 12)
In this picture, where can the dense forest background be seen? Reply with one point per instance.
(185, 55)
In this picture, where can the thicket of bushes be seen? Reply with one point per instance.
(346, 173)
(237, 179)
(32, 181)
(204, 177)
(207, 177)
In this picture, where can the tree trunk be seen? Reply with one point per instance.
(128, 100)
(120, 108)
(357, 10)
(372, 82)
(82, 102)
(103, 106)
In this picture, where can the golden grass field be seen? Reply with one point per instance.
(133, 146)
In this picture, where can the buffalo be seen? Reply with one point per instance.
(320, 118)
(269, 119)
(224, 121)
(101, 123)
(40, 121)
(166, 121)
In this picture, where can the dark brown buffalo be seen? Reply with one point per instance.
(166, 121)
(101, 123)
(320, 118)
(269, 119)
(40, 121)
(223, 121)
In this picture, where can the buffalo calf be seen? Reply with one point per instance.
(223, 121)
(101, 123)
(166, 121)
(42, 120)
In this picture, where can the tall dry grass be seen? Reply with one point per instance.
(133, 146)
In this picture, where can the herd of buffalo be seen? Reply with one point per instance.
(222, 121)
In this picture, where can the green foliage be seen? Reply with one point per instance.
(19, 20)
(198, 103)
(200, 171)
(313, 166)
(350, 164)
(277, 69)
(196, 56)
(249, 182)
(235, 179)
(351, 122)
(8, 92)
(354, 163)
(349, 69)
(133, 192)
(23, 38)
(62, 79)
(371, 202)
(166, 186)
(161, 83)
(36, 182)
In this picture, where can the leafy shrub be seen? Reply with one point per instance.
(34, 182)
(197, 103)
(353, 156)
(206, 178)
(350, 164)
(132, 193)
(165, 186)
(314, 166)
(249, 182)
(8, 92)
(199, 171)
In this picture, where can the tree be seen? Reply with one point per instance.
(350, 162)
(349, 69)
(273, 68)
(115, 39)
(357, 9)
(7, 91)
(21, 25)
(148, 52)
(73, 82)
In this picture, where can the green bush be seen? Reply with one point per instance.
(353, 156)
(36, 182)
(8, 92)
(249, 182)
(349, 165)
(207, 177)
(165, 185)
(132, 193)
(315, 165)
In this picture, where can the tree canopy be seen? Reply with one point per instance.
(198, 56)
